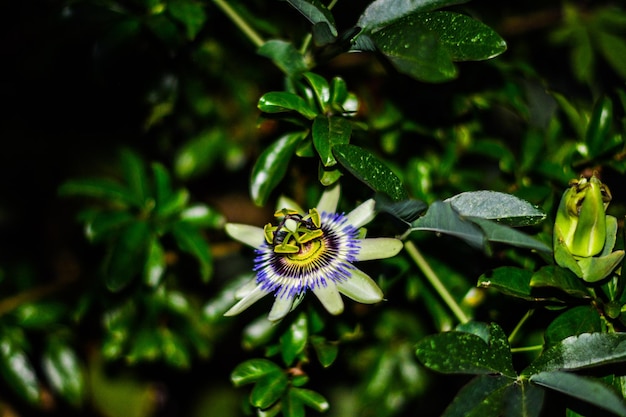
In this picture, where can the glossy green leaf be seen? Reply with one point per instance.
(442, 218)
(17, 370)
(190, 13)
(383, 12)
(465, 38)
(495, 232)
(155, 263)
(573, 322)
(252, 370)
(327, 132)
(272, 165)
(201, 215)
(310, 398)
(463, 353)
(371, 171)
(323, 34)
(106, 224)
(329, 176)
(285, 56)
(326, 351)
(552, 276)
(583, 388)
(405, 210)
(415, 51)
(599, 126)
(39, 315)
(321, 89)
(292, 405)
(127, 257)
(191, 240)
(199, 154)
(488, 395)
(294, 340)
(493, 205)
(162, 183)
(268, 389)
(338, 91)
(508, 280)
(64, 372)
(583, 351)
(100, 188)
(283, 101)
(315, 12)
(135, 175)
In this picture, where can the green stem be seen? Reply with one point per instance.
(434, 280)
(526, 349)
(254, 37)
(519, 325)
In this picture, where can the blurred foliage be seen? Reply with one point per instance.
(134, 129)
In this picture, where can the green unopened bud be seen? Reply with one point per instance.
(581, 218)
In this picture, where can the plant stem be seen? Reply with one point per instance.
(434, 280)
(254, 37)
(526, 349)
(520, 324)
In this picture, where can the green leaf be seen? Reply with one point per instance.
(100, 188)
(272, 165)
(463, 353)
(442, 218)
(162, 183)
(201, 215)
(293, 405)
(321, 89)
(383, 12)
(583, 351)
(135, 175)
(285, 56)
(155, 263)
(465, 38)
(599, 127)
(283, 101)
(495, 232)
(252, 370)
(508, 280)
(326, 351)
(39, 315)
(198, 154)
(488, 395)
(311, 398)
(582, 388)
(613, 49)
(294, 340)
(190, 240)
(492, 205)
(16, 368)
(573, 322)
(64, 372)
(103, 225)
(315, 12)
(268, 389)
(329, 131)
(127, 256)
(368, 169)
(190, 13)
(560, 278)
(415, 51)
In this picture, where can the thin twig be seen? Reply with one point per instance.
(254, 37)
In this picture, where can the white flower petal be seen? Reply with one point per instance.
(378, 248)
(251, 298)
(286, 202)
(329, 297)
(280, 308)
(329, 199)
(360, 287)
(246, 234)
(245, 289)
(363, 214)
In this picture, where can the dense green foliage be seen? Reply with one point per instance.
(491, 136)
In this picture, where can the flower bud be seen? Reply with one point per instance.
(581, 219)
